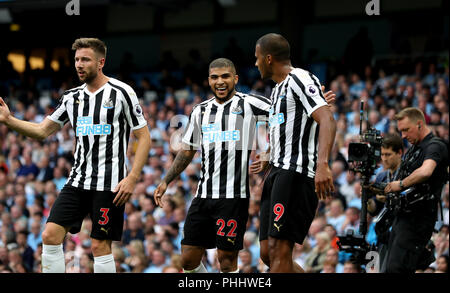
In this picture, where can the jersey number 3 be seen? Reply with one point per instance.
(104, 215)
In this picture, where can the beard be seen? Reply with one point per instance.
(88, 77)
(227, 97)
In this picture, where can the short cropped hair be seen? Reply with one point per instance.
(393, 141)
(275, 45)
(95, 44)
(221, 63)
(414, 114)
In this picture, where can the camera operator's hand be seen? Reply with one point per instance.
(373, 190)
(393, 187)
(371, 205)
(381, 197)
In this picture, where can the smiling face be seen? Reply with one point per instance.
(222, 81)
(88, 64)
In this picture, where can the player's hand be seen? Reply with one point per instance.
(261, 163)
(124, 190)
(329, 96)
(4, 111)
(159, 192)
(323, 182)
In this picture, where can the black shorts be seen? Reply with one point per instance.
(217, 223)
(288, 205)
(73, 204)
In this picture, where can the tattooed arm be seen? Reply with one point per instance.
(182, 160)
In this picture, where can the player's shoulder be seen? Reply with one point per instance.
(205, 103)
(73, 91)
(306, 81)
(253, 98)
(123, 87)
(302, 75)
(197, 108)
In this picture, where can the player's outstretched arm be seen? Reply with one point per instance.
(327, 132)
(182, 160)
(126, 186)
(34, 130)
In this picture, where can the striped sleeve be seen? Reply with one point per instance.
(308, 89)
(60, 115)
(192, 134)
(260, 106)
(132, 109)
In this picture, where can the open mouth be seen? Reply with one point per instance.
(221, 90)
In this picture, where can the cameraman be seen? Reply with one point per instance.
(424, 166)
(391, 157)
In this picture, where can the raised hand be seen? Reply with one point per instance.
(329, 96)
(4, 111)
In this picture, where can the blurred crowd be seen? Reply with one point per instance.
(33, 172)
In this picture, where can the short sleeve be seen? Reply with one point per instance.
(60, 115)
(260, 106)
(192, 134)
(306, 87)
(133, 110)
(436, 152)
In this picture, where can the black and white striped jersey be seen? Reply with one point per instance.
(293, 132)
(102, 122)
(225, 134)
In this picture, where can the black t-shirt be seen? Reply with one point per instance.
(436, 150)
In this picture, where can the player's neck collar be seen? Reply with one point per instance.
(99, 88)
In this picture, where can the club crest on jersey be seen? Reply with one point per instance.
(312, 90)
(137, 110)
(108, 104)
(236, 110)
